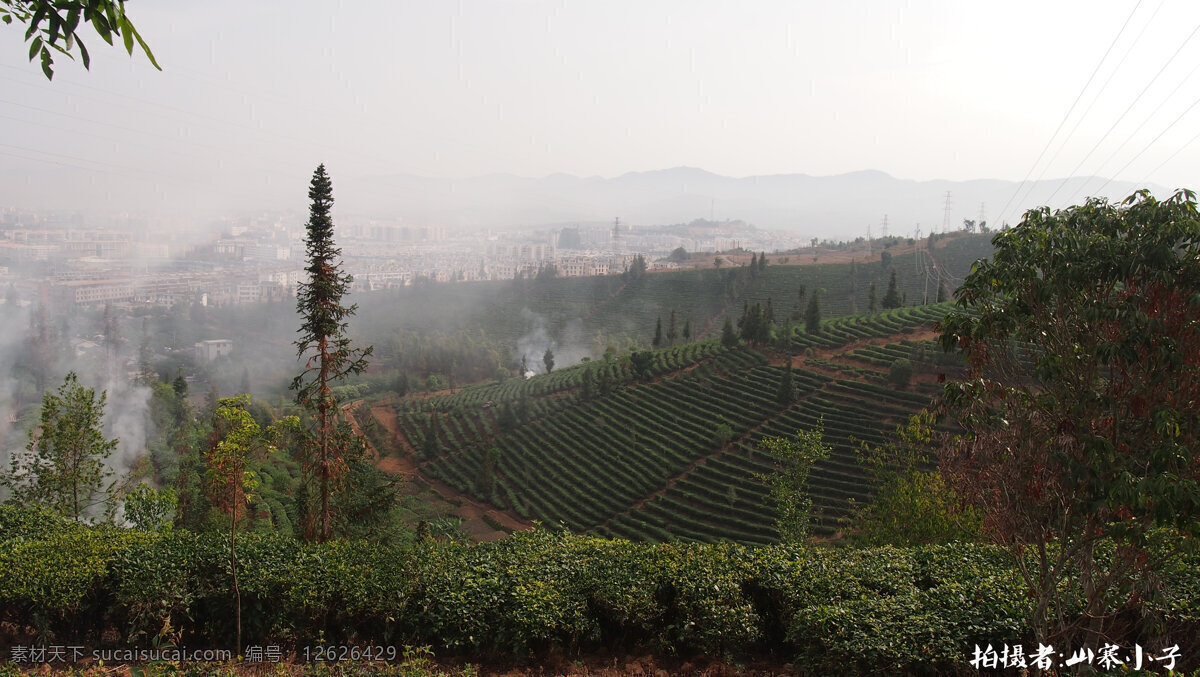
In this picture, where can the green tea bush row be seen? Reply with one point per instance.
(871, 609)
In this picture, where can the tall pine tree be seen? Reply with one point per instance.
(324, 346)
(892, 298)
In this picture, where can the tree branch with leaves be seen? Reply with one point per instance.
(1082, 407)
(52, 27)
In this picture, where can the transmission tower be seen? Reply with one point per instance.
(946, 213)
(885, 225)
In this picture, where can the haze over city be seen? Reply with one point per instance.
(253, 95)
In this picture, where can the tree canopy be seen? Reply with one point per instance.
(63, 467)
(1082, 404)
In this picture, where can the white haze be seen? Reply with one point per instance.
(253, 96)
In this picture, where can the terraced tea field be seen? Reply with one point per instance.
(671, 452)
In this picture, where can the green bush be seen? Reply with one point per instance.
(900, 373)
(840, 610)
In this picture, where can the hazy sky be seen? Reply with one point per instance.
(254, 93)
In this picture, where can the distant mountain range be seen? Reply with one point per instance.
(813, 206)
(841, 206)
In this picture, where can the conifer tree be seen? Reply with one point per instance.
(892, 298)
(729, 337)
(812, 316)
(786, 394)
(672, 330)
(323, 334)
(658, 335)
(687, 330)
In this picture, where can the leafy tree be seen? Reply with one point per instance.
(1083, 338)
(548, 360)
(793, 459)
(63, 464)
(892, 298)
(942, 294)
(53, 24)
(237, 439)
(729, 337)
(812, 315)
(150, 509)
(885, 260)
(687, 330)
(640, 362)
(912, 504)
(678, 255)
(323, 330)
(900, 373)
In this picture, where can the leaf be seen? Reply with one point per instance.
(47, 64)
(103, 28)
(72, 22)
(87, 59)
(127, 34)
(34, 47)
(145, 47)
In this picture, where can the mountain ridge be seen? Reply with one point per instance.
(840, 206)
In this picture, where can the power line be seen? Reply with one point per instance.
(1070, 110)
(1116, 69)
(1126, 112)
(1169, 158)
(1147, 147)
(1141, 126)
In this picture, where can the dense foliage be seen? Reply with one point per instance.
(890, 609)
(1082, 413)
(52, 26)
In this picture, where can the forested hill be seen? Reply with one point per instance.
(466, 332)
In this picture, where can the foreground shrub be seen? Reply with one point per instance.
(837, 610)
